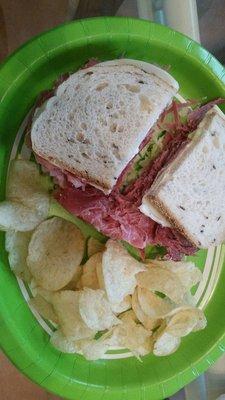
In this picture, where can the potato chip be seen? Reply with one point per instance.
(89, 276)
(25, 186)
(202, 321)
(16, 243)
(123, 306)
(183, 322)
(60, 342)
(24, 179)
(152, 305)
(165, 344)
(79, 285)
(95, 310)
(119, 270)
(164, 281)
(92, 263)
(66, 307)
(55, 251)
(17, 217)
(133, 337)
(129, 316)
(100, 276)
(187, 272)
(148, 323)
(35, 289)
(177, 309)
(73, 283)
(94, 246)
(91, 349)
(189, 299)
(44, 308)
(94, 349)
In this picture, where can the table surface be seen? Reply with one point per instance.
(19, 21)
(17, 387)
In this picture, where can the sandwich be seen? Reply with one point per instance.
(110, 134)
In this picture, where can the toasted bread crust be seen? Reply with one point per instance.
(172, 219)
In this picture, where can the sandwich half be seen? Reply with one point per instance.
(97, 119)
(189, 193)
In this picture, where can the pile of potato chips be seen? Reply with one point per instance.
(111, 300)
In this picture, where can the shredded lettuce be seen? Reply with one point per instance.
(152, 252)
(160, 294)
(176, 113)
(146, 155)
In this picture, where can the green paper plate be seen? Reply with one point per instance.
(25, 340)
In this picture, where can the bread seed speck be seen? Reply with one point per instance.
(85, 155)
(218, 218)
(182, 208)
